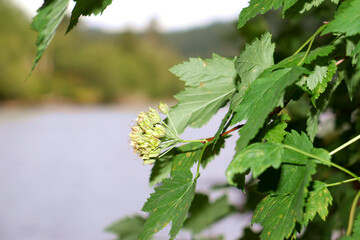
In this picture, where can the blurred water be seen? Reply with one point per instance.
(66, 173)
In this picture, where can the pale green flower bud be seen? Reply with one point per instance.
(154, 116)
(134, 136)
(149, 161)
(154, 142)
(163, 108)
(136, 129)
(160, 131)
(154, 153)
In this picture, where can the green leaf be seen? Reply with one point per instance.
(48, 18)
(261, 98)
(86, 8)
(197, 71)
(196, 106)
(223, 125)
(182, 159)
(347, 19)
(320, 88)
(170, 202)
(185, 156)
(353, 83)
(259, 6)
(321, 153)
(356, 229)
(317, 202)
(161, 168)
(309, 5)
(314, 113)
(283, 208)
(275, 131)
(256, 57)
(316, 77)
(299, 141)
(257, 157)
(203, 213)
(127, 228)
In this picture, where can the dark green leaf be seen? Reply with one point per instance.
(212, 150)
(127, 228)
(48, 18)
(317, 202)
(170, 202)
(161, 168)
(280, 211)
(86, 8)
(300, 141)
(347, 19)
(185, 156)
(257, 157)
(261, 98)
(322, 103)
(321, 153)
(275, 131)
(203, 213)
(182, 159)
(197, 71)
(356, 229)
(259, 6)
(353, 83)
(196, 106)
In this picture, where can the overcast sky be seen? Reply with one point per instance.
(171, 15)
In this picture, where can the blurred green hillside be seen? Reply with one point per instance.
(89, 66)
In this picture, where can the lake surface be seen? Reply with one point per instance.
(68, 172)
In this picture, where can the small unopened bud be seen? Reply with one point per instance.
(154, 153)
(163, 108)
(149, 161)
(160, 131)
(136, 129)
(154, 116)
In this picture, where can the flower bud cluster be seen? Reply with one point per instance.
(146, 135)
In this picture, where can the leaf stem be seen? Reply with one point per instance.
(342, 182)
(352, 214)
(198, 167)
(323, 161)
(310, 39)
(345, 145)
(307, 52)
(227, 132)
(193, 141)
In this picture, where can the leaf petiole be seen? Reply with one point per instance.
(352, 214)
(345, 145)
(341, 182)
(323, 161)
(311, 39)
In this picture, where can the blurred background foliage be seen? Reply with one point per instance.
(90, 66)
